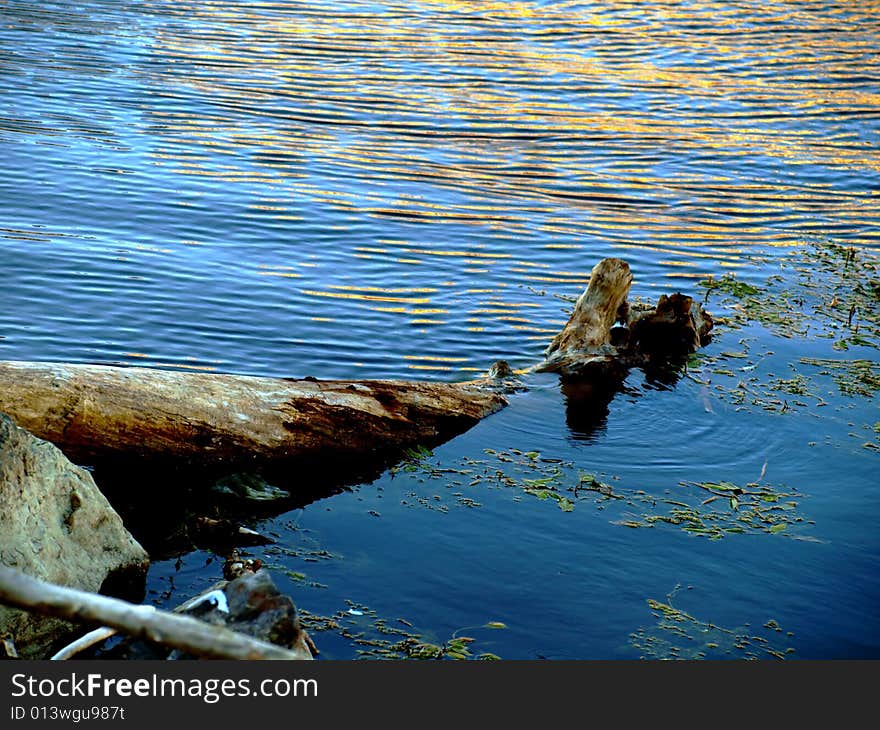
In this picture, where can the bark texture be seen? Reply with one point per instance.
(96, 411)
(586, 336)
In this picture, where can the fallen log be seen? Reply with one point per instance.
(94, 412)
(98, 411)
(180, 632)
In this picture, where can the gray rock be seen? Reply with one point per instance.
(57, 526)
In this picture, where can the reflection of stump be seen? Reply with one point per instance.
(586, 403)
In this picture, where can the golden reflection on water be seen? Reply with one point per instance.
(693, 131)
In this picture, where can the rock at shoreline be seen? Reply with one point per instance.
(57, 526)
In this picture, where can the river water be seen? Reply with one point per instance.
(370, 189)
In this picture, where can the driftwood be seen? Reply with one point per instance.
(605, 334)
(236, 423)
(160, 627)
(586, 337)
(257, 610)
(95, 412)
(86, 641)
(606, 337)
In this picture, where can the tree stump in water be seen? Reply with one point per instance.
(605, 336)
(586, 338)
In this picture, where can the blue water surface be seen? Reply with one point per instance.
(414, 190)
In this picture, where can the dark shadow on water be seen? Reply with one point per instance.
(587, 403)
(588, 398)
(664, 374)
(173, 509)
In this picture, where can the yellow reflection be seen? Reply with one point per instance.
(445, 368)
(364, 297)
(697, 128)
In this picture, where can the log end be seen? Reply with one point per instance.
(596, 310)
(605, 336)
(677, 326)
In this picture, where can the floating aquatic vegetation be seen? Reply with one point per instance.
(852, 377)
(414, 459)
(295, 576)
(874, 443)
(379, 638)
(778, 395)
(678, 635)
(728, 509)
(707, 509)
(743, 381)
(308, 552)
(729, 284)
(797, 385)
(743, 386)
(822, 292)
(249, 488)
(826, 290)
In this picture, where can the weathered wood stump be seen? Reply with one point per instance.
(586, 338)
(604, 335)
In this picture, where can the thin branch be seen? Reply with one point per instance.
(180, 632)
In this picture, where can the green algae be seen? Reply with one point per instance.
(853, 378)
(824, 294)
(825, 290)
(706, 509)
(375, 637)
(678, 635)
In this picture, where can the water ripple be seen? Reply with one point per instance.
(293, 187)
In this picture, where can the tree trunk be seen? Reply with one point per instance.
(96, 411)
